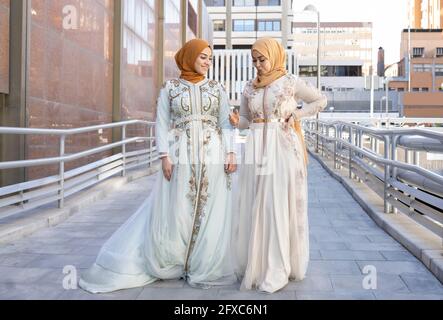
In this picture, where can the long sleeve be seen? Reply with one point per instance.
(224, 122)
(162, 123)
(314, 100)
(245, 117)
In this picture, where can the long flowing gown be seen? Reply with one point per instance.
(272, 235)
(183, 229)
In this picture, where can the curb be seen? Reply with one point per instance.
(35, 220)
(422, 243)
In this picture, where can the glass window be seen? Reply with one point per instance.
(138, 15)
(249, 25)
(238, 25)
(420, 67)
(4, 45)
(244, 3)
(244, 25)
(192, 19)
(418, 52)
(215, 3)
(269, 2)
(269, 25)
(219, 25)
(242, 46)
(331, 71)
(261, 26)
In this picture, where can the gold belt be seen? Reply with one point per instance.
(262, 120)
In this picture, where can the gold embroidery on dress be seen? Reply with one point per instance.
(184, 107)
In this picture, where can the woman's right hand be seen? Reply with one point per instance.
(234, 118)
(167, 168)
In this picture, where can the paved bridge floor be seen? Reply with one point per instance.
(344, 243)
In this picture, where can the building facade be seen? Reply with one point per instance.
(427, 14)
(239, 23)
(68, 64)
(423, 97)
(339, 41)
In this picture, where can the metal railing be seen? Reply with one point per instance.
(386, 122)
(370, 155)
(32, 194)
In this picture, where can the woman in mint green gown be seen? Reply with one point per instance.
(183, 229)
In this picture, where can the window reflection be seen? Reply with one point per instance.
(172, 37)
(139, 20)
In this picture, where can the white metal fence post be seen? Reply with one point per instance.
(124, 151)
(151, 144)
(61, 201)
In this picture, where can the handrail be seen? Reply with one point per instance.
(66, 132)
(406, 166)
(68, 158)
(391, 120)
(380, 172)
(42, 191)
(377, 131)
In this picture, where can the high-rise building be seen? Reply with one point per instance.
(340, 41)
(239, 23)
(427, 14)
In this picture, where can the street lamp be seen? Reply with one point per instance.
(311, 8)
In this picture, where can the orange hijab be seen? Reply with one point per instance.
(272, 50)
(186, 58)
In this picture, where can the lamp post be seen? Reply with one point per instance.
(311, 8)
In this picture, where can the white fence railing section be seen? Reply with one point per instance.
(234, 68)
(370, 155)
(32, 194)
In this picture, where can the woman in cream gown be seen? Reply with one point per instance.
(183, 229)
(272, 235)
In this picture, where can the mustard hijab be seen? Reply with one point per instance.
(272, 50)
(186, 57)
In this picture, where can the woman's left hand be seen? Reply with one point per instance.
(234, 118)
(231, 163)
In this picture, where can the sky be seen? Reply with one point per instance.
(389, 18)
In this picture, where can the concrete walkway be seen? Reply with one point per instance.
(344, 242)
